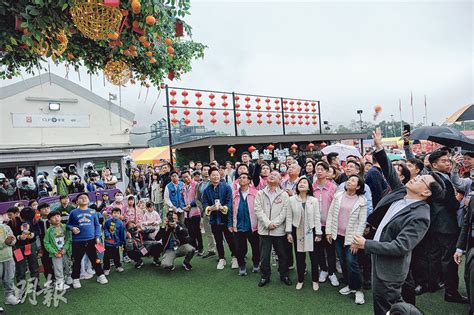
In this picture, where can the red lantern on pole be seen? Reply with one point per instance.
(294, 147)
(310, 146)
(270, 147)
(251, 149)
(231, 151)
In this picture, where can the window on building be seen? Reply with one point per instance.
(115, 166)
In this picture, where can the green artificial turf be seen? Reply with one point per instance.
(206, 290)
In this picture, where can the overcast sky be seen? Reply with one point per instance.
(349, 55)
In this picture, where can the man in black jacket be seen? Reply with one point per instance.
(402, 219)
(465, 245)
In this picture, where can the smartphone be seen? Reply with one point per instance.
(406, 128)
(217, 202)
(457, 150)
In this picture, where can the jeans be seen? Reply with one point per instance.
(326, 254)
(7, 272)
(349, 264)
(241, 239)
(81, 248)
(279, 243)
(30, 262)
(193, 225)
(220, 231)
(111, 252)
(170, 255)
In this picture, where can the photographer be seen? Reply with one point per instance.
(26, 187)
(175, 240)
(7, 192)
(77, 186)
(140, 243)
(44, 186)
(61, 181)
(94, 182)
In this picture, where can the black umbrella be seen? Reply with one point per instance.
(452, 140)
(423, 133)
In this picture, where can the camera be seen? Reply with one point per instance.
(169, 216)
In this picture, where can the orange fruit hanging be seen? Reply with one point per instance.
(142, 39)
(125, 12)
(136, 6)
(149, 54)
(133, 48)
(146, 44)
(134, 53)
(152, 60)
(168, 42)
(113, 36)
(170, 50)
(150, 20)
(126, 52)
(111, 44)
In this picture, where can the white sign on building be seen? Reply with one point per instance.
(21, 120)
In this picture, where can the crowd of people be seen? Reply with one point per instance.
(390, 226)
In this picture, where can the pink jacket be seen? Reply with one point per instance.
(325, 197)
(251, 203)
(189, 193)
(262, 184)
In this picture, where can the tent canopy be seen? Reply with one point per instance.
(151, 155)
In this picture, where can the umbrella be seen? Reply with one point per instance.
(443, 135)
(465, 113)
(343, 150)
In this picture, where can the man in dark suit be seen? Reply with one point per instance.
(465, 245)
(402, 218)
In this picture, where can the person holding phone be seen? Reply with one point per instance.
(216, 202)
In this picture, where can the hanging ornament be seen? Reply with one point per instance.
(310, 146)
(173, 110)
(226, 114)
(199, 112)
(270, 147)
(277, 105)
(117, 72)
(94, 19)
(236, 99)
(251, 149)
(178, 28)
(231, 151)
(299, 106)
(294, 147)
(186, 112)
(212, 104)
(285, 106)
(224, 103)
(323, 145)
(313, 105)
(292, 104)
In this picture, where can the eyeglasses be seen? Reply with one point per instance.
(420, 178)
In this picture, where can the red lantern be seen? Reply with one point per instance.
(248, 114)
(224, 97)
(213, 120)
(212, 104)
(178, 28)
(259, 115)
(187, 121)
(310, 146)
(225, 113)
(237, 98)
(212, 96)
(237, 114)
(173, 102)
(251, 148)
(270, 147)
(249, 121)
(174, 111)
(231, 151)
(213, 113)
(294, 147)
(269, 115)
(237, 121)
(278, 122)
(199, 112)
(174, 121)
(269, 121)
(200, 120)
(198, 95)
(173, 93)
(257, 100)
(186, 112)
(278, 115)
(226, 121)
(184, 93)
(185, 102)
(259, 121)
(287, 122)
(323, 145)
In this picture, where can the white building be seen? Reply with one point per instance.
(48, 120)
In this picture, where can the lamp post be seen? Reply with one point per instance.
(359, 112)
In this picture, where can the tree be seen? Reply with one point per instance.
(146, 37)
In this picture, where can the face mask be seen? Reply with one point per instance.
(119, 198)
(283, 169)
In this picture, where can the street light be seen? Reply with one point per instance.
(359, 112)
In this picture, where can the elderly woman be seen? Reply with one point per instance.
(346, 218)
(303, 228)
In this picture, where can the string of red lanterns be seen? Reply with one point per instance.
(173, 110)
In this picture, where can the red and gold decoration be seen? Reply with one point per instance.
(186, 111)
(294, 147)
(251, 149)
(199, 111)
(310, 146)
(231, 150)
(248, 113)
(117, 72)
(173, 110)
(323, 145)
(270, 147)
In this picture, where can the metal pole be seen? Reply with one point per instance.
(282, 116)
(235, 114)
(319, 114)
(170, 138)
(362, 146)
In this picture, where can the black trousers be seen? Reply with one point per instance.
(326, 254)
(81, 248)
(111, 252)
(241, 239)
(280, 244)
(423, 270)
(469, 277)
(220, 231)
(47, 263)
(301, 260)
(442, 249)
(193, 225)
(385, 293)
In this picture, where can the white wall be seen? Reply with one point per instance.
(104, 125)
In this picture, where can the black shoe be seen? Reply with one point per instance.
(156, 262)
(263, 282)
(286, 280)
(456, 298)
(420, 289)
(367, 285)
(139, 264)
(187, 266)
(200, 253)
(170, 268)
(209, 254)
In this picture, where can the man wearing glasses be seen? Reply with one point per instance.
(402, 219)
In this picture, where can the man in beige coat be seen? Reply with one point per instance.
(271, 205)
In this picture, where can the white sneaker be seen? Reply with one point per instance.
(346, 290)
(333, 280)
(90, 271)
(107, 272)
(86, 276)
(12, 300)
(323, 276)
(338, 267)
(119, 269)
(126, 259)
(359, 299)
(69, 280)
(315, 286)
(221, 264)
(235, 263)
(102, 279)
(61, 286)
(299, 285)
(76, 283)
(48, 283)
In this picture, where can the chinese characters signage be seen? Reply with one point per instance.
(50, 121)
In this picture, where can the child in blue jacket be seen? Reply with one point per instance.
(114, 234)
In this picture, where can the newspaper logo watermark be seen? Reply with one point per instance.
(51, 294)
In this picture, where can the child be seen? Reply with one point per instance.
(43, 224)
(114, 233)
(7, 265)
(57, 244)
(140, 243)
(26, 233)
(151, 219)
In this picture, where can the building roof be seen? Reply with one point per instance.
(24, 85)
(230, 140)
